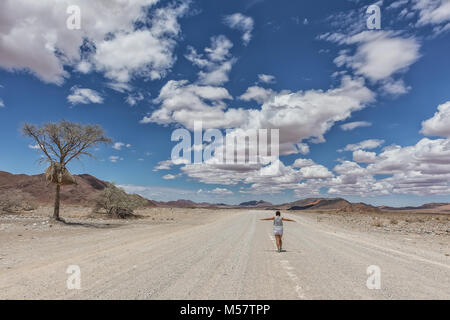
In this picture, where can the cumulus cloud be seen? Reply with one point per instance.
(83, 67)
(242, 23)
(421, 169)
(315, 172)
(298, 115)
(45, 47)
(257, 94)
(184, 103)
(355, 124)
(364, 156)
(302, 148)
(216, 63)
(379, 55)
(310, 114)
(301, 163)
(439, 124)
(84, 96)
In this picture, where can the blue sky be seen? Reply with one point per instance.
(363, 114)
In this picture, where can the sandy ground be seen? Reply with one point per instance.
(222, 254)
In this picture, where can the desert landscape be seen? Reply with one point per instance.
(119, 258)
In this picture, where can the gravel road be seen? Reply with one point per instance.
(225, 256)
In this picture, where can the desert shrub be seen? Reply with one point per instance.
(12, 201)
(378, 224)
(394, 221)
(117, 203)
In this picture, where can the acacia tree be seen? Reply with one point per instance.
(63, 142)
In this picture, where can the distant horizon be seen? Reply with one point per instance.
(250, 199)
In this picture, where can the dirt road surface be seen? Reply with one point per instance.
(219, 256)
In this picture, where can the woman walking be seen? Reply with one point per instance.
(278, 228)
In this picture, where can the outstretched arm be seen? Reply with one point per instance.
(268, 218)
(287, 219)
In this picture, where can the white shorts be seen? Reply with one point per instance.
(278, 230)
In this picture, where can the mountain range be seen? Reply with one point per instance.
(88, 187)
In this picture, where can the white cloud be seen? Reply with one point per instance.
(218, 61)
(84, 67)
(364, 156)
(169, 177)
(133, 99)
(138, 53)
(315, 172)
(439, 124)
(33, 146)
(300, 115)
(422, 169)
(84, 96)
(310, 114)
(353, 125)
(379, 55)
(310, 170)
(163, 165)
(301, 163)
(114, 159)
(119, 87)
(167, 164)
(258, 94)
(216, 191)
(120, 145)
(242, 23)
(397, 4)
(2, 104)
(222, 191)
(366, 144)
(46, 46)
(303, 148)
(432, 11)
(185, 103)
(394, 88)
(266, 78)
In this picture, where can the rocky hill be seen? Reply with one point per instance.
(38, 190)
(256, 204)
(329, 204)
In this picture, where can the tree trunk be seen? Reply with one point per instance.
(57, 200)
